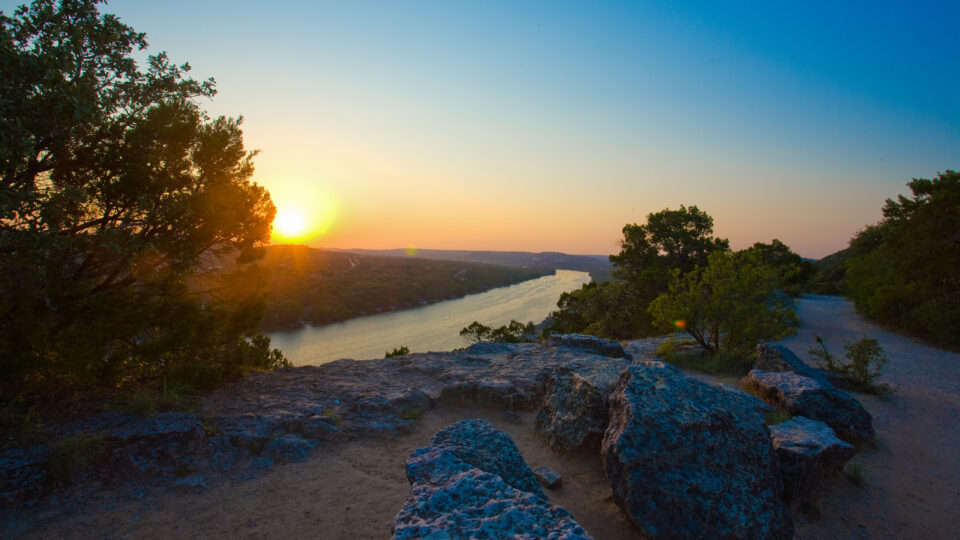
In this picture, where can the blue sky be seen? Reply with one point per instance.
(549, 125)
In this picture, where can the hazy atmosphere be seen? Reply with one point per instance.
(547, 126)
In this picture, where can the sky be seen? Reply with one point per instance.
(547, 126)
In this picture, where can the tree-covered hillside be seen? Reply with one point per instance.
(322, 287)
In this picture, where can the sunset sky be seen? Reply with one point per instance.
(543, 126)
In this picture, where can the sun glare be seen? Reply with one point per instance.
(289, 226)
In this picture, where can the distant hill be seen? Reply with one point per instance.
(831, 270)
(315, 286)
(547, 259)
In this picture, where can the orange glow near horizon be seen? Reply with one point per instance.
(302, 221)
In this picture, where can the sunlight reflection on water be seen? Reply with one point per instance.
(430, 328)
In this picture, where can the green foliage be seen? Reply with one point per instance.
(903, 269)
(610, 309)
(722, 363)
(74, 455)
(825, 359)
(793, 272)
(121, 202)
(856, 473)
(323, 287)
(513, 332)
(866, 361)
(476, 332)
(411, 413)
(730, 305)
(830, 274)
(776, 416)
(403, 350)
(670, 240)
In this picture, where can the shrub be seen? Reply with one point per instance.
(866, 362)
(403, 350)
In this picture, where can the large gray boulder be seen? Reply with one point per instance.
(690, 460)
(588, 344)
(573, 414)
(472, 482)
(809, 451)
(816, 399)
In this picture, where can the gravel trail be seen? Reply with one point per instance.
(913, 475)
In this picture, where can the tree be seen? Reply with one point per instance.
(903, 269)
(681, 239)
(670, 240)
(115, 189)
(793, 272)
(728, 305)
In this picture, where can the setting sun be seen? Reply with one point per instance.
(289, 225)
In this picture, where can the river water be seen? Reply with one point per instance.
(429, 328)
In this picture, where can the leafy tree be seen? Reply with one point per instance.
(115, 189)
(793, 272)
(513, 332)
(903, 269)
(728, 305)
(670, 240)
(476, 332)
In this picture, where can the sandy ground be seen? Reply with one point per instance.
(354, 490)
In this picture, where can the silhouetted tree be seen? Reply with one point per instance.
(115, 188)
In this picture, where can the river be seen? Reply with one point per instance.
(429, 328)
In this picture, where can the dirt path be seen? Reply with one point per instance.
(354, 490)
(913, 475)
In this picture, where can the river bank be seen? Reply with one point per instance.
(428, 328)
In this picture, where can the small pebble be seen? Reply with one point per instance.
(547, 477)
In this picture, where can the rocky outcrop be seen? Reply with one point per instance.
(573, 414)
(590, 344)
(285, 415)
(690, 460)
(472, 482)
(809, 451)
(812, 398)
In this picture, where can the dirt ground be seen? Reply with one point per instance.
(355, 489)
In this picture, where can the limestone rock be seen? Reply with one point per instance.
(590, 344)
(816, 399)
(547, 477)
(809, 451)
(471, 482)
(689, 460)
(290, 448)
(777, 357)
(573, 414)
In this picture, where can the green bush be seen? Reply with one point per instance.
(727, 306)
(866, 361)
(403, 350)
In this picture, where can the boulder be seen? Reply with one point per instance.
(809, 451)
(472, 482)
(573, 414)
(290, 448)
(812, 398)
(690, 460)
(588, 344)
(777, 357)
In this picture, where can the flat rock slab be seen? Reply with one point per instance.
(812, 398)
(809, 451)
(472, 482)
(586, 343)
(690, 460)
